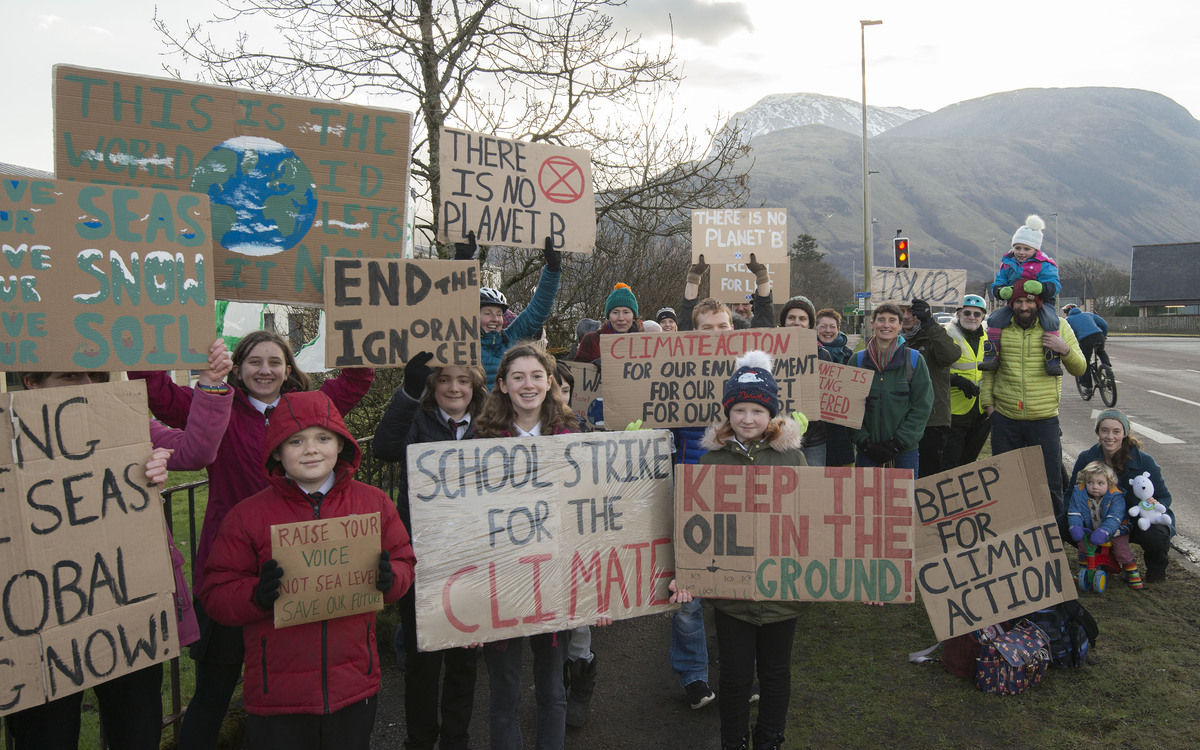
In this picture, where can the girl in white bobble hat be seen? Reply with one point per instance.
(1024, 263)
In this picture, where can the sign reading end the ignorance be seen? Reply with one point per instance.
(381, 312)
(519, 536)
(85, 575)
(790, 533)
(988, 547)
(515, 193)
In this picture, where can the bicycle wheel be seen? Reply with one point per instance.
(1085, 393)
(1107, 384)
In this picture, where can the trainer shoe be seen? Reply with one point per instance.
(699, 694)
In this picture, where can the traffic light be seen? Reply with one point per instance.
(900, 245)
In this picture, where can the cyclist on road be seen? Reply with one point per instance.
(1091, 330)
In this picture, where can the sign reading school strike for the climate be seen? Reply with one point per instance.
(382, 312)
(903, 285)
(676, 379)
(291, 180)
(515, 193)
(844, 391)
(727, 236)
(988, 547)
(790, 533)
(586, 397)
(85, 575)
(94, 277)
(533, 535)
(330, 567)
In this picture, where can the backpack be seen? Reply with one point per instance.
(910, 364)
(1071, 630)
(1011, 663)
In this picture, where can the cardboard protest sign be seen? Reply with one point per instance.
(103, 278)
(844, 391)
(727, 236)
(515, 193)
(291, 180)
(586, 398)
(788, 533)
(533, 535)
(88, 592)
(988, 547)
(676, 379)
(330, 566)
(379, 313)
(903, 285)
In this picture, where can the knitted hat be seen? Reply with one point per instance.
(1113, 414)
(802, 302)
(621, 296)
(1019, 292)
(665, 312)
(1031, 233)
(752, 382)
(586, 326)
(651, 326)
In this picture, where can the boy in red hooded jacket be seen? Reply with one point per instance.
(312, 685)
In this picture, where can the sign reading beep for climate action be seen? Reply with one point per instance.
(100, 278)
(291, 180)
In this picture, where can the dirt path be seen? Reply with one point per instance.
(638, 701)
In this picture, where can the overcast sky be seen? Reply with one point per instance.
(926, 55)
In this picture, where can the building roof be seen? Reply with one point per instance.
(1165, 275)
(24, 171)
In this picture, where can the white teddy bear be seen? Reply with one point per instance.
(1148, 510)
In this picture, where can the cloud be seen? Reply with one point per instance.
(45, 22)
(704, 22)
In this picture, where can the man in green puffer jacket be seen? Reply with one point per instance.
(1021, 398)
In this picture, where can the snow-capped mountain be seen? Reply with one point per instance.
(779, 111)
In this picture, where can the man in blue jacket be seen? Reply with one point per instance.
(1091, 331)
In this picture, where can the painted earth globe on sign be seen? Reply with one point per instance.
(263, 198)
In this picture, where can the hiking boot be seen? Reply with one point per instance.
(767, 741)
(1155, 576)
(1053, 363)
(742, 744)
(582, 681)
(699, 694)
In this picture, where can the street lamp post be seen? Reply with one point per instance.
(1055, 215)
(868, 244)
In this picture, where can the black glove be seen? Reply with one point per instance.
(697, 271)
(878, 452)
(920, 310)
(416, 373)
(386, 577)
(466, 250)
(759, 270)
(553, 257)
(894, 446)
(969, 389)
(1049, 291)
(270, 578)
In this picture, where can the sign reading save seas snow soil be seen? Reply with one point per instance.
(94, 277)
(518, 536)
(794, 533)
(291, 180)
(515, 193)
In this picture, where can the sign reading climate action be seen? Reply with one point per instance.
(903, 285)
(515, 193)
(291, 180)
(988, 547)
(330, 566)
(727, 236)
(380, 313)
(94, 277)
(533, 535)
(676, 379)
(794, 533)
(85, 575)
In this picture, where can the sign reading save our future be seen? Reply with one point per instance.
(85, 574)
(330, 567)
(291, 180)
(94, 277)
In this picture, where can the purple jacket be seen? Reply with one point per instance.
(237, 473)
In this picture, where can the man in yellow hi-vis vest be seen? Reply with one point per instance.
(969, 425)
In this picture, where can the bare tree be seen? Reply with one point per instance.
(553, 72)
(1102, 282)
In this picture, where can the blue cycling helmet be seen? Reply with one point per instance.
(974, 300)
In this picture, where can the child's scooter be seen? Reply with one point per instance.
(1100, 562)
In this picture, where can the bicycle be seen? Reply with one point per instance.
(1102, 379)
